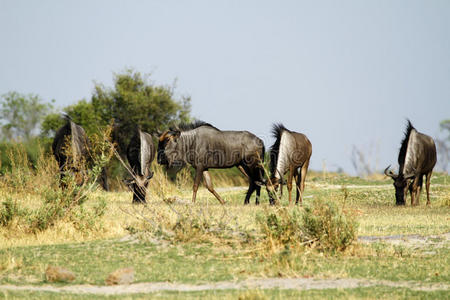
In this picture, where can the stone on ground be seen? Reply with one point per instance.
(58, 274)
(120, 276)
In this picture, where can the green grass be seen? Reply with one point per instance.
(203, 262)
(211, 260)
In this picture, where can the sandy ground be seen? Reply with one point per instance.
(266, 283)
(262, 283)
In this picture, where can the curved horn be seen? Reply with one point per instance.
(390, 173)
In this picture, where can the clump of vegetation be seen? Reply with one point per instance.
(41, 181)
(9, 210)
(281, 227)
(201, 224)
(326, 226)
(321, 225)
(178, 222)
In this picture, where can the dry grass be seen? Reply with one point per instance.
(169, 204)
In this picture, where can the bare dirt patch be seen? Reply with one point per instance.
(266, 283)
(410, 240)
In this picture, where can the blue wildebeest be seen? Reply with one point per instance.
(71, 150)
(416, 158)
(290, 154)
(205, 147)
(140, 154)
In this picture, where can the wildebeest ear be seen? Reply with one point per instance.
(176, 133)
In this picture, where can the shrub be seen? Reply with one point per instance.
(325, 225)
(322, 225)
(42, 179)
(10, 210)
(282, 226)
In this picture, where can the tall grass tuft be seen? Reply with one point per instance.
(321, 225)
(41, 181)
(325, 225)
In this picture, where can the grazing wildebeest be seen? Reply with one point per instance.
(205, 147)
(289, 154)
(71, 150)
(140, 154)
(416, 158)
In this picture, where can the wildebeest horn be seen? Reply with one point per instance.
(150, 175)
(390, 173)
(128, 181)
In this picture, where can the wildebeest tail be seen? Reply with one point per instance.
(263, 152)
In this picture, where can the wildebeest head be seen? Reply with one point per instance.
(169, 149)
(401, 184)
(272, 188)
(138, 186)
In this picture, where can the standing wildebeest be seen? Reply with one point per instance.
(71, 150)
(290, 153)
(204, 147)
(140, 154)
(416, 158)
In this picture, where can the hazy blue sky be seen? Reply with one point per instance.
(343, 72)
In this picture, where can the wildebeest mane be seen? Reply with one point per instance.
(191, 126)
(404, 146)
(277, 131)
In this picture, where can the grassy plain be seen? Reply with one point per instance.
(151, 240)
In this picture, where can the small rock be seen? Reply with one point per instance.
(121, 276)
(58, 274)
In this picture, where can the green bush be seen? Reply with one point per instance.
(43, 180)
(325, 225)
(10, 210)
(321, 225)
(282, 225)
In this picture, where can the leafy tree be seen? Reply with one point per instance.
(21, 115)
(135, 101)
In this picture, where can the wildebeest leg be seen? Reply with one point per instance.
(419, 188)
(197, 179)
(281, 188)
(61, 180)
(413, 191)
(289, 183)
(298, 178)
(209, 186)
(427, 185)
(252, 186)
(104, 179)
(303, 172)
(258, 193)
(243, 172)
